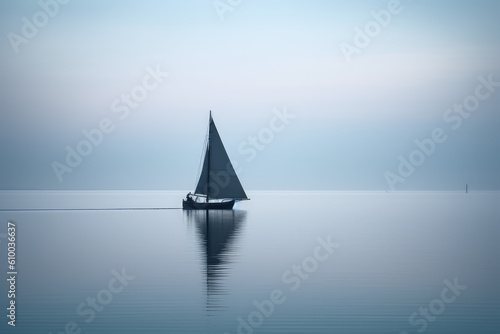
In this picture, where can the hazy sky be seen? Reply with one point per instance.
(349, 123)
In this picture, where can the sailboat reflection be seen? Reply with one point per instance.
(217, 231)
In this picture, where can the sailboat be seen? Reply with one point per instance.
(218, 186)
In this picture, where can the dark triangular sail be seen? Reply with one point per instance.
(218, 179)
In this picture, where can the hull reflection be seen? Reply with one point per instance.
(217, 232)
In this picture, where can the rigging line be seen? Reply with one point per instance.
(202, 158)
(89, 209)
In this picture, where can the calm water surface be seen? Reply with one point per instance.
(284, 262)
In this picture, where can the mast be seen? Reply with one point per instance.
(208, 154)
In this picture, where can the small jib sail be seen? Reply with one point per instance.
(218, 179)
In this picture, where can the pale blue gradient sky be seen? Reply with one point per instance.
(352, 121)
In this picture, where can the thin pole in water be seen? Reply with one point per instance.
(466, 188)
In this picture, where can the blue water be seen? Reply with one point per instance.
(284, 262)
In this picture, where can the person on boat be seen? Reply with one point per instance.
(188, 197)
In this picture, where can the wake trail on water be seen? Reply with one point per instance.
(90, 209)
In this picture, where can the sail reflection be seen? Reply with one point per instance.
(217, 231)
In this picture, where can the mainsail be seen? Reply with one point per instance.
(218, 179)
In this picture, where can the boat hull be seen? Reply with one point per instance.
(192, 205)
